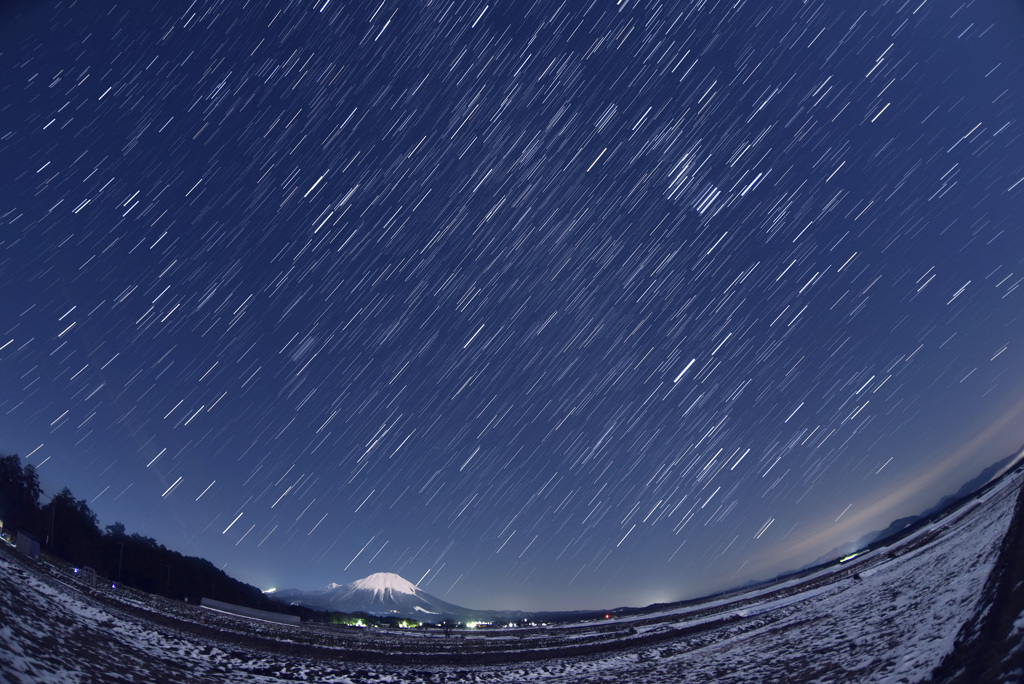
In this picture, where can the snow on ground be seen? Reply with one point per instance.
(889, 616)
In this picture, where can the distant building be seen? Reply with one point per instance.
(28, 545)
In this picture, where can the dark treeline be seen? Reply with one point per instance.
(68, 529)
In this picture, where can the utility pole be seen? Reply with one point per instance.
(53, 510)
(120, 557)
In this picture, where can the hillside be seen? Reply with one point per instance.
(944, 601)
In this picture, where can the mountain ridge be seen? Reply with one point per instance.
(380, 594)
(387, 594)
(986, 476)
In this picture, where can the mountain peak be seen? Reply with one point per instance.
(385, 593)
(384, 583)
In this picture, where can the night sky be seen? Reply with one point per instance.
(539, 305)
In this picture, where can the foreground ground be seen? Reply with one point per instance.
(942, 603)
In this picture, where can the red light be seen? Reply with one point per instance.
(607, 617)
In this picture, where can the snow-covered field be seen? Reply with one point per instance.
(888, 616)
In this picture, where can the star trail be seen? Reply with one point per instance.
(537, 304)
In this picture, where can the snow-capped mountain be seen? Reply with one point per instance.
(944, 603)
(383, 593)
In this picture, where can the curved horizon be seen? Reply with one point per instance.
(545, 306)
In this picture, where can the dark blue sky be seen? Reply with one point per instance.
(539, 306)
